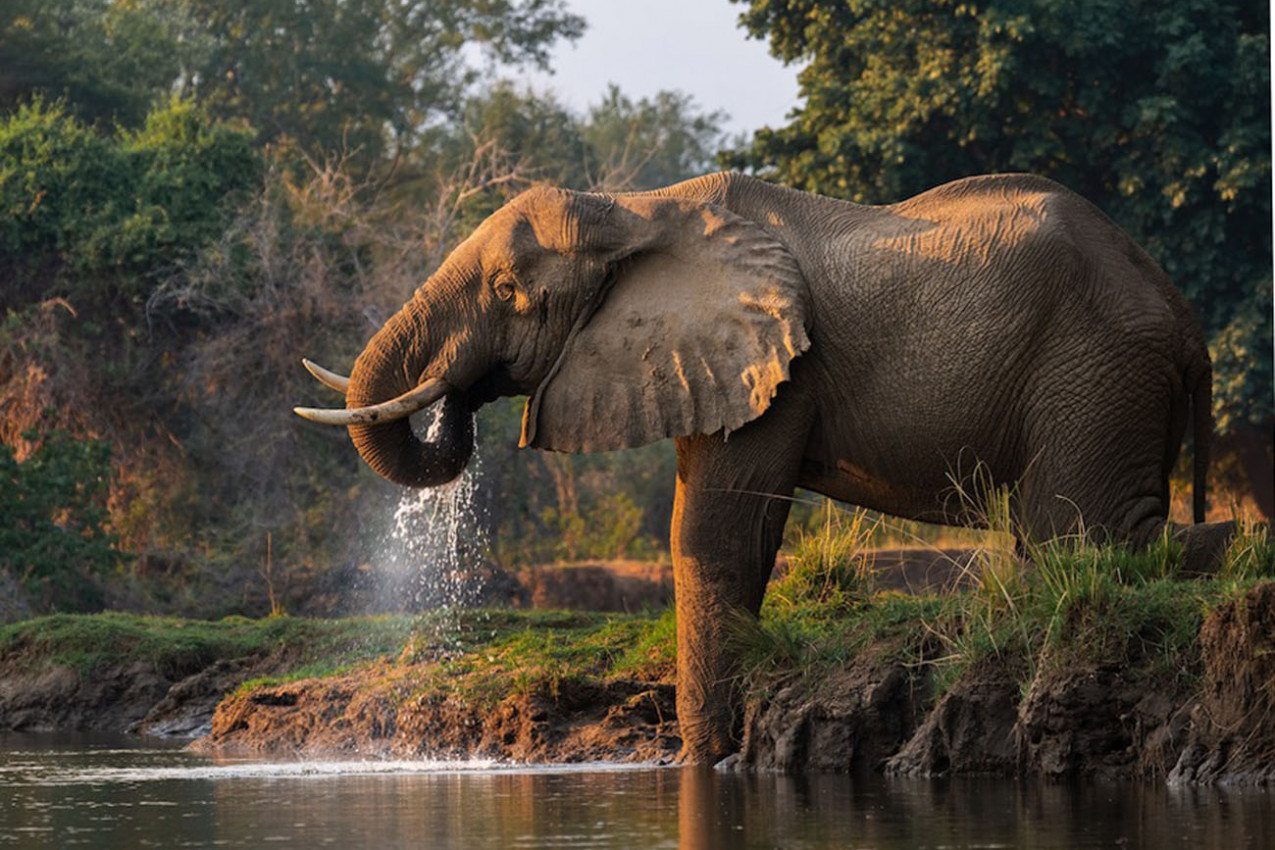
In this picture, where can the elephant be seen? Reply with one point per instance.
(784, 340)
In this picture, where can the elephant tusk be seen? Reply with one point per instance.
(387, 411)
(340, 383)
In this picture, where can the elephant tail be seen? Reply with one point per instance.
(1202, 417)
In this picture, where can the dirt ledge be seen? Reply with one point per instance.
(388, 711)
(873, 714)
(1086, 721)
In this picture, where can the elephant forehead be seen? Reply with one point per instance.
(503, 237)
(518, 232)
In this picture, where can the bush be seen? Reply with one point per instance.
(53, 538)
(132, 205)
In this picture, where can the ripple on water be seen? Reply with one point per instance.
(305, 770)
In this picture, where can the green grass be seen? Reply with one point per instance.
(88, 642)
(1079, 603)
(502, 652)
(481, 655)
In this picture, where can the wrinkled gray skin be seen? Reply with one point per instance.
(1000, 321)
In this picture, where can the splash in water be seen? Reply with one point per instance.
(433, 556)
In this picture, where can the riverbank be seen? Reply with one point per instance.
(1092, 663)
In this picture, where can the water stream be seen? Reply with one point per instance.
(431, 556)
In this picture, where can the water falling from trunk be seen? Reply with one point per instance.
(433, 555)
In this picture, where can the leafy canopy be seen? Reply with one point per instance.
(130, 205)
(324, 74)
(53, 535)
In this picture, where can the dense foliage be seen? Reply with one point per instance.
(54, 541)
(1157, 112)
(324, 74)
(98, 217)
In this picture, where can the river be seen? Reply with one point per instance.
(94, 791)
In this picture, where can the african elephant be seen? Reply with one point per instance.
(790, 340)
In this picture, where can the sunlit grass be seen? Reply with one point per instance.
(1032, 609)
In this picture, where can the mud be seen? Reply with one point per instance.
(970, 730)
(850, 722)
(136, 698)
(388, 712)
(1230, 727)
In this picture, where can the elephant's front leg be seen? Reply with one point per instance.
(728, 519)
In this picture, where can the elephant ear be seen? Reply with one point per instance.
(694, 335)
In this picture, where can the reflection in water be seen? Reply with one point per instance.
(719, 811)
(102, 794)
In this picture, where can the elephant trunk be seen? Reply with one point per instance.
(391, 364)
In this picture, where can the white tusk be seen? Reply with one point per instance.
(340, 383)
(387, 411)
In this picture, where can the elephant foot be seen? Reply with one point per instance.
(1204, 547)
(733, 763)
(704, 755)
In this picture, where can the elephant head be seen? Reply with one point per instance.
(624, 319)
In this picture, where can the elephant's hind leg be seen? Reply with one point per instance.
(1102, 467)
(733, 497)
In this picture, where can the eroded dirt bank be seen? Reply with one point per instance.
(1088, 720)
(140, 697)
(546, 693)
(872, 714)
(393, 711)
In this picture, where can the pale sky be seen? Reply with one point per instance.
(694, 46)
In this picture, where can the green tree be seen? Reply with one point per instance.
(1157, 112)
(53, 536)
(77, 206)
(334, 74)
(109, 59)
(651, 142)
(324, 74)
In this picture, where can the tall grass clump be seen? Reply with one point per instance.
(1250, 555)
(1030, 606)
(810, 608)
(827, 573)
(987, 620)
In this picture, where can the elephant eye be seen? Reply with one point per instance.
(505, 287)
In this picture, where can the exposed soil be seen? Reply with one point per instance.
(138, 698)
(1091, 721)
(610, 586)
(388, 711)
(59, 698)
(1230, 727)
(970, 730)
(874, 714)
(851, 721)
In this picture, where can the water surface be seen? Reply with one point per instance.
(69, 791)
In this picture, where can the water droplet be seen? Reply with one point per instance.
(432, 558)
